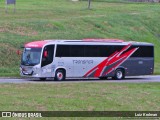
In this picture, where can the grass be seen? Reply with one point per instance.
(80, 97)
(54, 19)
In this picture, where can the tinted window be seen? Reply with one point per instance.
(105, 51)
(86, 50)
(91, 51)
(70, 51)
(63, 51)
(77, 51)
(49, 55)
(143, 51)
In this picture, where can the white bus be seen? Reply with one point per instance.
(89, 58)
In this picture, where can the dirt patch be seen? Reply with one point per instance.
(9, 55)
(8, 47)
(90, 108)
(138, 28)
(24, 31)
(41, 107)
(2, 29)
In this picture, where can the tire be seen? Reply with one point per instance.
(119, 74)
(42, 79)
(59, 75)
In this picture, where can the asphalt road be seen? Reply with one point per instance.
(135, 79)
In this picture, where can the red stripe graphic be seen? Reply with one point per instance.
(115, 57)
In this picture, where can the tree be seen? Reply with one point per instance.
(89, 4)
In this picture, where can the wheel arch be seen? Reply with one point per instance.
(61, 68)
(122, 68)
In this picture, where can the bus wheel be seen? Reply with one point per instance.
(119, 74)
(60, 75)
(42, 79)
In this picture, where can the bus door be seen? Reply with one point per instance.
(47, 60)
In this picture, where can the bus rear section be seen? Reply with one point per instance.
(141, 62)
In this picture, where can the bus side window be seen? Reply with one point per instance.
(143, 51)
(47, 57)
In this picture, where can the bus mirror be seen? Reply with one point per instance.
(45, 54)
(18, 52)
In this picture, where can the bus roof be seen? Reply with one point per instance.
(40, 44)
(36, 44)
(103, 40)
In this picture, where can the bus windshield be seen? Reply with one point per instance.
(31, 56)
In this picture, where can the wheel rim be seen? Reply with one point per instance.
(119, 74)
(60, 76)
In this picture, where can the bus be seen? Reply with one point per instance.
(88, 58)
